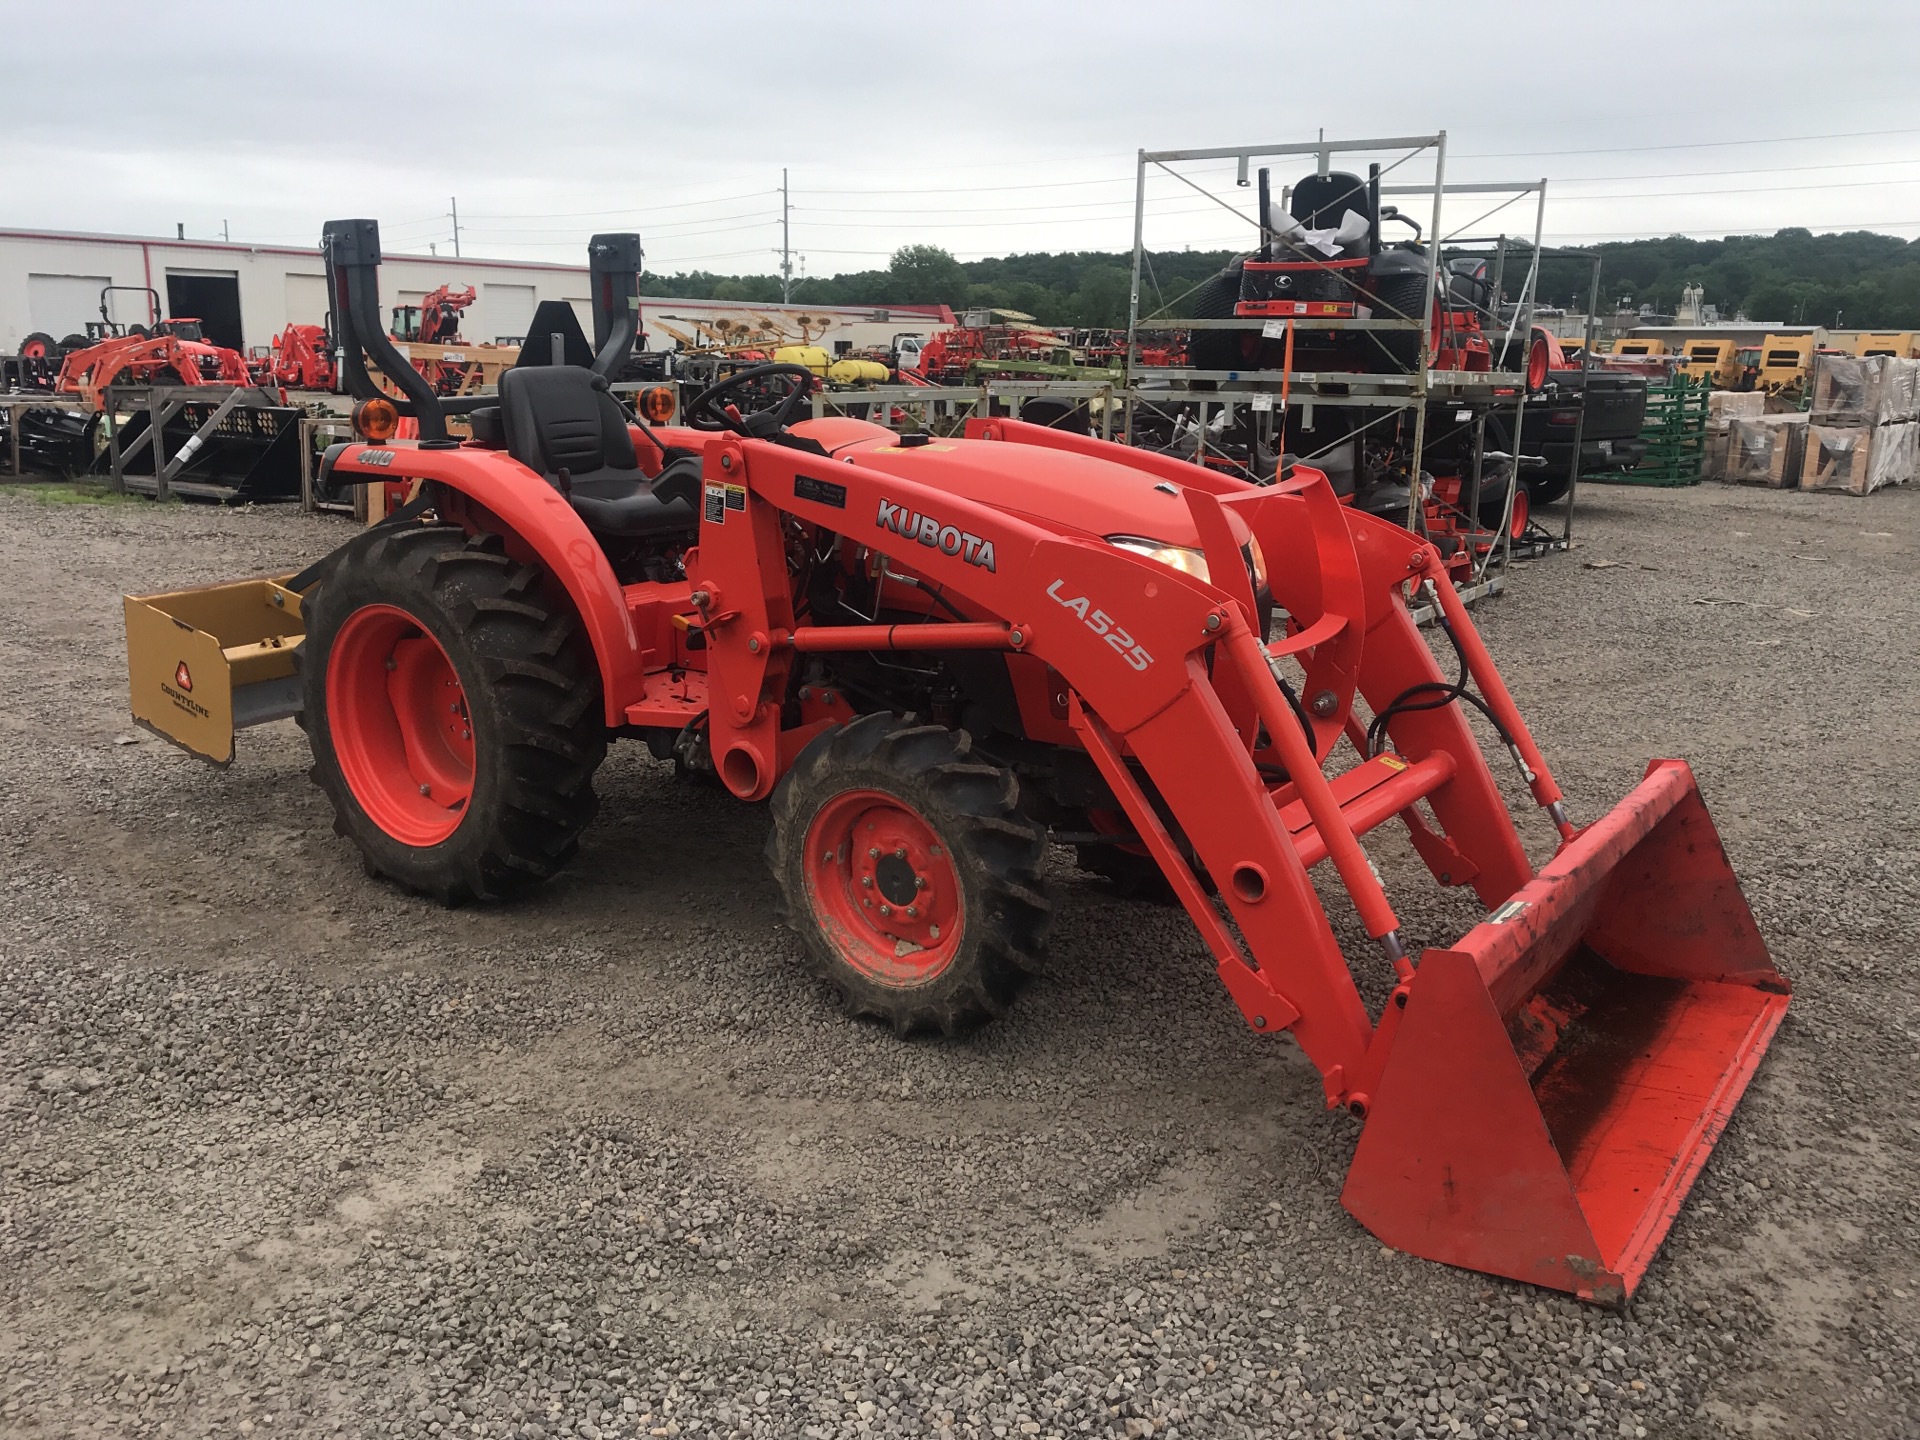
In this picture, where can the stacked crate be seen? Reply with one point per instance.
(1766, 450)
(1723, 408)
(1864, 430)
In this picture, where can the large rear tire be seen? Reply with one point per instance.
(1395, 352)
(910, 874)
(1546, 490)
(453, 710)
(1214, 299)
(39, 346)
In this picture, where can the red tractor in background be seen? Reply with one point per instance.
(936, 658)
(435, 320)
(165, 352)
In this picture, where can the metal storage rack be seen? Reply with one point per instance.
(1676, 435)
(1267, 391)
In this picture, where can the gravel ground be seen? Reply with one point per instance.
(285, 1152)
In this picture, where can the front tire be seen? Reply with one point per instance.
(910, 873)
(453, 710)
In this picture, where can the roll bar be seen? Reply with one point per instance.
(154, 312)
(614, 261)
(352, 252)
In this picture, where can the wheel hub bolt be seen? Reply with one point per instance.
(426, 789)
(913, 912)
(872, 854)
(919, 882)
(867, 881)
(886, 910)
(900, 852)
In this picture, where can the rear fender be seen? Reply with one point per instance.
(505, 497)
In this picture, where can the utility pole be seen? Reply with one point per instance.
(223, 233)
(454, 202)
(786, 251)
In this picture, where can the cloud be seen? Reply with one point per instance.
(988, 128)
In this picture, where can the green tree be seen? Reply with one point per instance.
(926, 275)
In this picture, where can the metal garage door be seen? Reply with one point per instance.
(61, 305)
(506, 312)
(306, 299)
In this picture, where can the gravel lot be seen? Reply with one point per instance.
(285, 1152)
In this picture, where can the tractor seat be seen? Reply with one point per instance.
(561, 423)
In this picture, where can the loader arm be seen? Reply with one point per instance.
(1539, 1096)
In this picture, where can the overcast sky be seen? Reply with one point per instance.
(986, 127)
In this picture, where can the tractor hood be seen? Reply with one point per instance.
(1055, 488)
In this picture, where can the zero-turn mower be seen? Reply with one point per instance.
(933, 658)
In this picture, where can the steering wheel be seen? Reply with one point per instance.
(755, 402)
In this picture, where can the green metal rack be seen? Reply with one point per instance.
(1675, 430)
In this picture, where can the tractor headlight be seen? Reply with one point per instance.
(1256, 565)
(1193, 562)
(1179, 557)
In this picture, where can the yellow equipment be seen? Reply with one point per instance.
(1717, 361)
(1785, 363)
(1899, 343)
(204, 663)
(858, 372)
(813, 357)
(837, 372)
(1629, 345)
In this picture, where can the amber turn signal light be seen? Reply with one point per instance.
(656, 405)
(376, 420)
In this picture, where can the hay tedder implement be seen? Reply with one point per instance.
(934, 658)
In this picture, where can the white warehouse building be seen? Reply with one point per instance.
(245, 295)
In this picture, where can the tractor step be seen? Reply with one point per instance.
(1368, 794)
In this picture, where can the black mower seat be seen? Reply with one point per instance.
(561, 423)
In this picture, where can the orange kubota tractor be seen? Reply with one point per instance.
(170, 352)
(933, 658)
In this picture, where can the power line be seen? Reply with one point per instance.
(1740, 190)
(763, 218)
(1708, 174)
(1753, 232)
(1690, 145)
(647, 209)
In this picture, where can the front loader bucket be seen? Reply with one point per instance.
(1557, 1079)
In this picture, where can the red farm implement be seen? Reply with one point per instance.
(302, 358)
(1107, 646)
